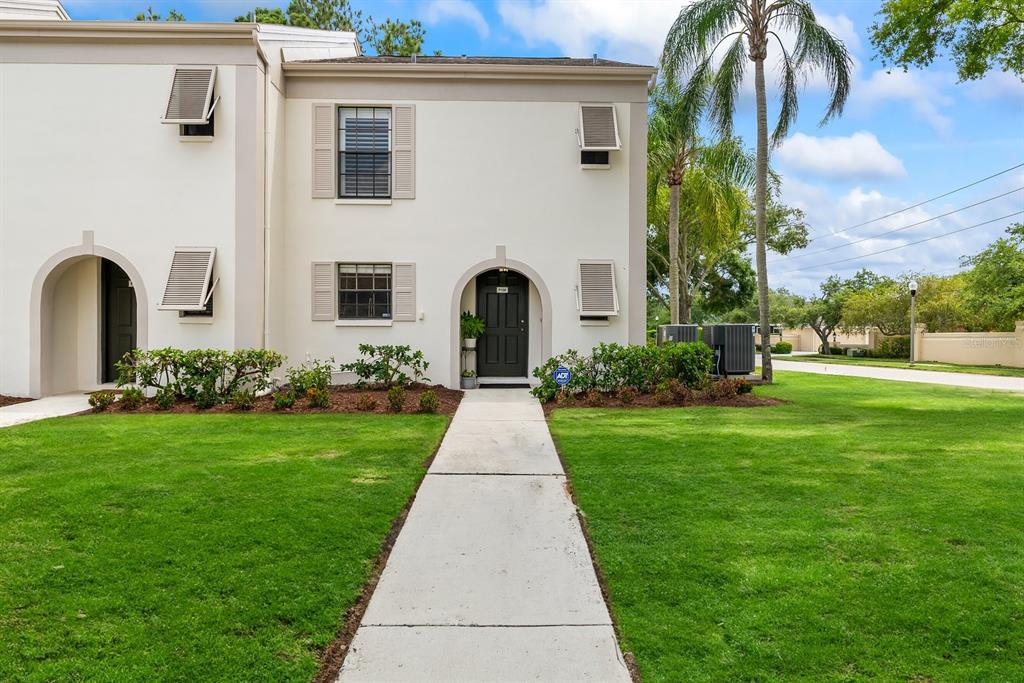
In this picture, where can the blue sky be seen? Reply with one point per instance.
(905, 137)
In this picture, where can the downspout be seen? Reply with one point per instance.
(266, 185)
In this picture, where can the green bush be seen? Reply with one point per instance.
(611, 367)
(165, 398)
(132, 398)
(388, 366)
(396, 398)
(837, 351)
(313, 374)
(782, 347)
(283, 400)
(207, 397)
(470, 326)
(429, 402)
(243, 400)
(213, 374)
(366, 404)
(318, 398)
(893, 347)
(101, 400)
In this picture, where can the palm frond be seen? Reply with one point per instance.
(725, 86)
(789, 102)
(817, 48)
(697, 28)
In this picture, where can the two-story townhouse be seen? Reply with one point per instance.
(241, 185)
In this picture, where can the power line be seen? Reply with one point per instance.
(902, 246)
(905, 227)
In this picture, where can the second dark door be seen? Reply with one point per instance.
(502, 301)
(119, 320)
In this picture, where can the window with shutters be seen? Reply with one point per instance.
(190, 282)
(364, 152)
(191, 102)
(599, 129)
(596, 295)
(364, 291)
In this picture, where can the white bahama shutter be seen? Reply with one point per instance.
(324, 295)
(595, 288)
(404, 292)
(188, 283)
(403, 152)
(324, 135)
(191, 97)
(599, 128)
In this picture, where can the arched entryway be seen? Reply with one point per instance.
(515, 304)
(88, 310)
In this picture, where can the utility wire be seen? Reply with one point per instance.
(902, 246)
(894, 230)
(945, 194)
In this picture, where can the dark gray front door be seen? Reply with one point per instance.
(119, 321)
(502, 301)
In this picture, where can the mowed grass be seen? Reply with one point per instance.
(998, 370)
(187, 548)
(867, 530)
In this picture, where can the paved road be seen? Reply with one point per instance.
(490, 578)
(51, 406)
(955, 379)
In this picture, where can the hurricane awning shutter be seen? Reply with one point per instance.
(188, 283)
(191, 98)
(599, 126)
(595, 290)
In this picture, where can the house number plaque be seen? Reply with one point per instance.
(502, 290)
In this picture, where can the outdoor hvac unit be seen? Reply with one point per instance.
(733, 346)
(678, 333)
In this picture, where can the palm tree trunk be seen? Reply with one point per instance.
(684, 270)
(760, 201)
(673, 253)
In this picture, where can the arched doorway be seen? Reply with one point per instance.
(88, 310)
(503, 302)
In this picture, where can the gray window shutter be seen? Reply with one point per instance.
(595, 288)
(404, 292)
(191, 97)
(324, 294)
(599, 126)
(188, 282)
(403, 152)
(324, 135)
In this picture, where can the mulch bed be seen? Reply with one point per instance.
(651, 401)
(11, 400)
(344, 399)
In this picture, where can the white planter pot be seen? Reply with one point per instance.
(469, 382)
(469, 343)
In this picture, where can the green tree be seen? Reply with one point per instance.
(691, 48)
(977, 35)
(826, 312)
(394, 37)
(150, 15)
(264, 15)
(994, 287)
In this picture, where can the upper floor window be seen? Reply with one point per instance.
(364, 152)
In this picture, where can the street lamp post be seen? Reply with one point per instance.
(913, 317)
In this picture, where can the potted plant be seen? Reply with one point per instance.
(469, 379)
(472, 328)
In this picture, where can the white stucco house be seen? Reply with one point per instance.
(240, 185)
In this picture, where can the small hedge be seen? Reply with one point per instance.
(613, 367)
(893, 347)
(206, 376)
(388, 366)
(782, 347)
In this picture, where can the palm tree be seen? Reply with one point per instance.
(713, 178)
(691, 48)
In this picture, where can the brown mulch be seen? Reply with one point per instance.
(651, 401)
(344, 399)
(11, 400)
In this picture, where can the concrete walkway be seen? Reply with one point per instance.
(43, 408)
(954, 379)
(490, 578)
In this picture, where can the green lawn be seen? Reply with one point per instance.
(865, 530)
(187, 548)
(1000, 370)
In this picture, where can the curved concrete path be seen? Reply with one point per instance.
(43, 408)
(953, 379)
(490, 579)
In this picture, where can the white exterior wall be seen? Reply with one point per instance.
(488, 174)
(82, 149)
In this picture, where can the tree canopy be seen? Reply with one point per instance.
(151, 15)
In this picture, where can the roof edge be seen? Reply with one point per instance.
(126, 30)
(543, 71)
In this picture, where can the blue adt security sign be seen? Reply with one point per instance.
(562, 375)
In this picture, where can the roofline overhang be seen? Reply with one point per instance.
(468, 71)
(127, 31)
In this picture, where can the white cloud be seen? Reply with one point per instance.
(923, 91)
(860, 155)
(997, 85)
(438, 11)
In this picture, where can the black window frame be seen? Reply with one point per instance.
(375, 157)
(365, 296)
(197, 130)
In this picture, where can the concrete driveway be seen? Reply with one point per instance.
(490, 578)
(953, 379)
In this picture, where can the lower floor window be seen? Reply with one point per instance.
(364, 291)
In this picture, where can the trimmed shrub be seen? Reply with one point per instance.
(680, 392)
(722, 389)
(318, 398)
(837, 351)
(207, 398)
(366, 404)
(893, 347)
(101, 400)
(283, 400)
(313, 374)
(429, 402)
(243, 400)
(388, 366)
(595, 398)
(663, 393)
(782, 347)
(743, 386)
(396, 398)
(132, 398)
(626, 394)
(165, 398)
